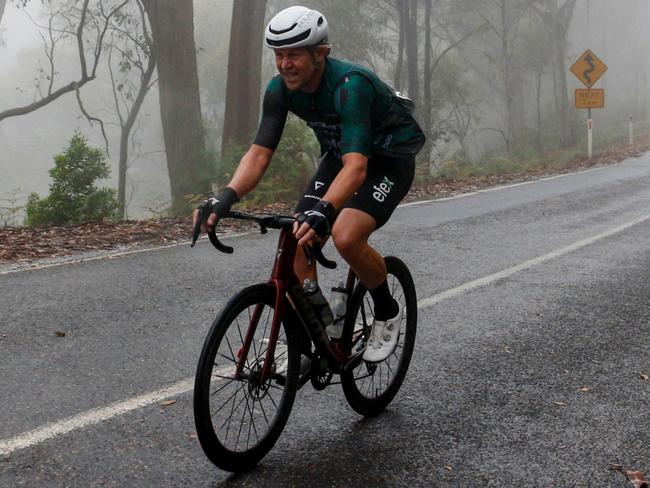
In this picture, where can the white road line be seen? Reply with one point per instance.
(486, 280)
(53, 429)
(109, 255)
(97, 415)
(502, 187)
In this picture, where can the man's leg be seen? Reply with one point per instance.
(351, 232)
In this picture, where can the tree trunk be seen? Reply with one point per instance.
(397, 80)
(426, 80)
(538, 108)
(244, 72)
(412, 50)
(563, 17)
(508, 81)
(126, 131)
(172, 26)
(2, 8)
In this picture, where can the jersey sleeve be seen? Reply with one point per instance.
(353, 100)
(274, 116)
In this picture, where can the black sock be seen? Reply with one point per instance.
(386, 307)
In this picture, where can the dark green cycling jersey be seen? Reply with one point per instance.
(351, 111)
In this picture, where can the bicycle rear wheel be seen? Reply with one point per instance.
(370, 387)
(238, 420)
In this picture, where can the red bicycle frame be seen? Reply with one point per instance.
(288, 289)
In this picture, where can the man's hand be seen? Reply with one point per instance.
(219, 207)
(206, 225)
(315, 223)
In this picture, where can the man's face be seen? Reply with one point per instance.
(296, 66)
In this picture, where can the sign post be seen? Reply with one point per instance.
(588, 69)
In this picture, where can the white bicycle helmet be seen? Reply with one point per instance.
(296, 27)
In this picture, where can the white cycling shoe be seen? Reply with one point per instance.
(383, 338)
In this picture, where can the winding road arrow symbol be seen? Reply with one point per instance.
(590, 61)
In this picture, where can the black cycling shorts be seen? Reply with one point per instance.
(387, 181)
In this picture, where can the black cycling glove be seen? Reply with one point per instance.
(320, 218)
(221, 203)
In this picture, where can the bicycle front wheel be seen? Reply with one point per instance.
(239, 418)
(370, 387)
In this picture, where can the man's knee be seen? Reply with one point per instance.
(348, 240)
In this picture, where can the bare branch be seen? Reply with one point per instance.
(80, 40)
(13, 112)
(85, 77)
(478, 30)
(91, 119)
(100, 40)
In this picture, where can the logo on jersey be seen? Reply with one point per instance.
(382, 190)
(318, 184)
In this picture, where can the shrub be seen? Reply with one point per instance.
(74, 198)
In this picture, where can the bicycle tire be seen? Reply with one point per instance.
(370, 387)
(239, 401)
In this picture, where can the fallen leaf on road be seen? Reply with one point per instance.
(637, 478)
(192, 435)
(560, 404)
(644, 376)
(449, 468)
(585, 390)
(167, 403)
(59, 333)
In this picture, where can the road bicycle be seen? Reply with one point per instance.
(250, 365)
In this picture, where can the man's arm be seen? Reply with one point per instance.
(250, 170)
(248, 174)
(348, 180)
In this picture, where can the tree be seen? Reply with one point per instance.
(2, 8)
(557, 16)
(244, 72)
(136, 54)
(172, 26)
(66, 21)
(73, 197)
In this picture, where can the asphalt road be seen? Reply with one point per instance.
(534, 326)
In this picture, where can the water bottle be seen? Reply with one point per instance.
(338, 304)
(318, 302)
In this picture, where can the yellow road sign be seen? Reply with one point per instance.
(594, 98)
(588, 68)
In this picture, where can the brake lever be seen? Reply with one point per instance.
(203, 216)
(320, 257)
(309, 254)
(204, 212)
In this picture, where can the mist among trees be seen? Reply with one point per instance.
(171, 93)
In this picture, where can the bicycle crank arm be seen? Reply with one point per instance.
(353, 362)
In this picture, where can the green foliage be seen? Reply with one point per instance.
(290, 170)
(74, 198)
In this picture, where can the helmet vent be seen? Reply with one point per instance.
(277, 32)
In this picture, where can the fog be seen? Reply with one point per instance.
(28, 143)
(615, 30)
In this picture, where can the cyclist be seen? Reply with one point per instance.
(368, 140)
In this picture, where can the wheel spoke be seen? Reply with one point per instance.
(244, 411)
(371, 386)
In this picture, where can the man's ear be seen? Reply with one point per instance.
(323, 52)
